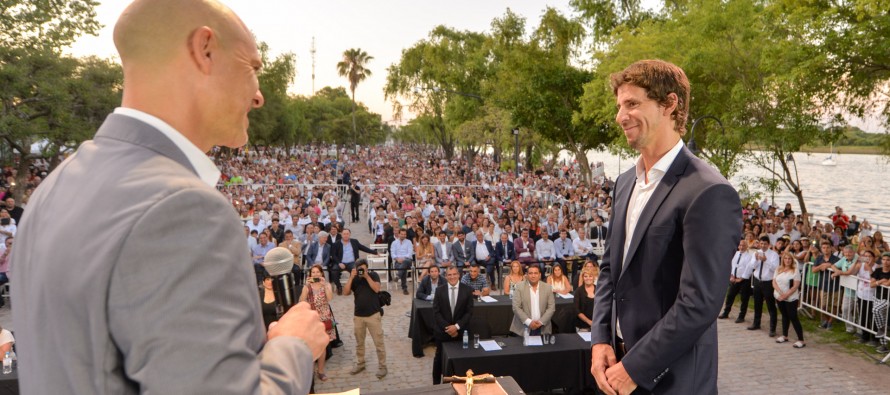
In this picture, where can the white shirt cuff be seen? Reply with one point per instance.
(528, 322)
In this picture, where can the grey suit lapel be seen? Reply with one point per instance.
(131, 130)
(661, 192)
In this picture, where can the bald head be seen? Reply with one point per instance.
(193, 64)
(154, 32)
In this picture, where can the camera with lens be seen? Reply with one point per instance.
(361, 272)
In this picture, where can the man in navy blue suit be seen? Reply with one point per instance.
(676, 222)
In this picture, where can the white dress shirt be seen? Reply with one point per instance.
(534, 303)
(743, 264)
(206, 169)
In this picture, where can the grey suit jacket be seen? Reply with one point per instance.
(443, 258)
(132, 276)
(522, 309)
(669, 288)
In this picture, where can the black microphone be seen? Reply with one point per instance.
(278, 262)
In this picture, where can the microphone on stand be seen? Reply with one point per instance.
(278, 262)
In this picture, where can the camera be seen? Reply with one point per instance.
(5, 221)
(360, 272)
(315, 279)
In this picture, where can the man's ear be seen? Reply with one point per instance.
(673, 100)
(202, 46)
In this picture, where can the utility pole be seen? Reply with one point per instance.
(312, 51)
(516, 152)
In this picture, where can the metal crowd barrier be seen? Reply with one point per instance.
(848, 299)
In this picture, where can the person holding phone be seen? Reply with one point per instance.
(7, 225)
(318, 294)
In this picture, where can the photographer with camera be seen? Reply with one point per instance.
(367, 316)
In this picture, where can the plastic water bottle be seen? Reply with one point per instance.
(512, 290)
(525, 337)
(15, 361)
(7, 363)
(466, 339)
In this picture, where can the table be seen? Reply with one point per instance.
(9, 383)
(565, 364)
(507, 383)
(489, 319)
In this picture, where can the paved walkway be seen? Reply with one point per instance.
(750, 362)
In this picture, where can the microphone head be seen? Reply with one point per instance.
(278, 261)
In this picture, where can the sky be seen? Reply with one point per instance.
(382, 28)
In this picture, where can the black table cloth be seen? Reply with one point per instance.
(565, 364)
(489, 319)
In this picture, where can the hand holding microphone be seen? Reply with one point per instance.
(300, 321)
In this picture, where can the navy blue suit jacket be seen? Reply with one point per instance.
(669, 288)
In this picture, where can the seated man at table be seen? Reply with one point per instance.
(453, 308)
(477, 282)
(6, 341)
(533, 305)
(428, 285)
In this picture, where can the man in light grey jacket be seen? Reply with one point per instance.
(156, 295)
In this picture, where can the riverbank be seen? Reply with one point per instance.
(844, 150)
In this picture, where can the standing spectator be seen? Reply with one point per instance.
(766, 262)
(865, 294)
(318, 294)
(786, 287)
(355, 197)
(839, 219)
(402, 252)
(825, 262)
(453, 309)
(365, 284)
(7, 225)
(853, 227)
(881, 278)
(743, 265)
(848, 265)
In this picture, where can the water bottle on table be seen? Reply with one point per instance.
(7, 363)
(466, 339)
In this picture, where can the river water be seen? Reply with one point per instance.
(859, 183)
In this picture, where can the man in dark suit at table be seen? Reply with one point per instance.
(675, 224)
(453, 308)
(429, 284)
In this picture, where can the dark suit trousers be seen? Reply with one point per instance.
(763, 292)
(742, 288)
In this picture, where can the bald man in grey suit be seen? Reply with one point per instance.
(132, 272)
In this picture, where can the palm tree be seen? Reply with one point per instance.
(353, 67)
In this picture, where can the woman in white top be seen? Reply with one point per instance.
(786, 284)
(559, 282)
(865, 294)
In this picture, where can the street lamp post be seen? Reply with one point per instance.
(516, 152)
(692, 147)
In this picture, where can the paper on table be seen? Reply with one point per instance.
(566, 296)
(350, 392)
(488, 299)
(490, 345)
(535, 341)
(585, 336)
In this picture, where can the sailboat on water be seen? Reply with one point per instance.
(829, 161)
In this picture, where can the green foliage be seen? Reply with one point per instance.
(46, 24)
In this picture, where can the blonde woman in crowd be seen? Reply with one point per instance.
(584, 297)
(514, 277)
(786, 286)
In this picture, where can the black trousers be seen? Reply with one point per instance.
(742, 288)
(763, 292)
(353, 205)
(789, 317)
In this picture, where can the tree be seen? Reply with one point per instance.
(46, 24)
(354, 68)
(274, 123)
(538, 83)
